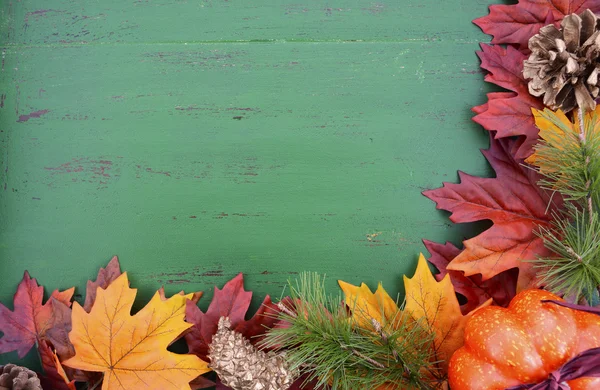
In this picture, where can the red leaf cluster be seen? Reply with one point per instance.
(513, 202)
(500, 288)
(508, 114)
(514, 24)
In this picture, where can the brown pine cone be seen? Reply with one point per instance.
(564, 63)
(18, 378)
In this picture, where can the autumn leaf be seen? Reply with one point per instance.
(434, 305)
(501, 288)
(300, 384)
(366, 305)
(515, 205)
(508, 113)
(560, 133)
(105, 277)
(31, 319)
(233, 302)
(58, 333)
(515, 24)
(131, 351)
(54, 377)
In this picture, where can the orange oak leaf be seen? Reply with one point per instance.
(131, 351)
(501, 288)
(516, 23)
(54, 377)
(516, 206)
(233, 302)
(434, 305)
(508, 113)
(30, 320)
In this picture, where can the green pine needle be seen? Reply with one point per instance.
(571, 166)
(575, 271)
(324, 342)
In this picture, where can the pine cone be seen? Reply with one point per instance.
(18, 378)
(241, 366)
(564, 63)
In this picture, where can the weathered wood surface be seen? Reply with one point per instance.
(199, 139)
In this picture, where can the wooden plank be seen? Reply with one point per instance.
(197, 140)
(179, 21)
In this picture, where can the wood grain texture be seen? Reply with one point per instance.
(199, 139)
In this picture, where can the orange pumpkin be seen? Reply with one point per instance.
(522, 344)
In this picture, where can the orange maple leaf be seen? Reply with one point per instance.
(435, 306)
(131, 351)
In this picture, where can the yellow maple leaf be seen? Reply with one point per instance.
(366, 306)
(558, 132)
(131, 351)
(434, 305)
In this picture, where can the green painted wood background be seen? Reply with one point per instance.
(199, 139)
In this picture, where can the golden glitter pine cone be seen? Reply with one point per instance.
(14, 377)
(242, 366)
(564, 63)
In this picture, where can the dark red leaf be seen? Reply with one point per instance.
(299, 384)
(513, 202)
(233, 302)
(58, 334)
(201, 383)
(105, 277)
(508, 113)
(52, 379)
(501, 288)
(515, 24)
(30, 319)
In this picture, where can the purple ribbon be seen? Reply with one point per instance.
(586, 364)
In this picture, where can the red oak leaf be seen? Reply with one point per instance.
(105, 277)
(54, 376)
(501, 288)
(515, 205)
(508, 113)
(299, 384)
(58, 334)
(31, 319)
(202, 383)
(233, 302)
(515, 24)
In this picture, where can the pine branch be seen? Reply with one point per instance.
(575, 271)
(569, 160)
(322, 340)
